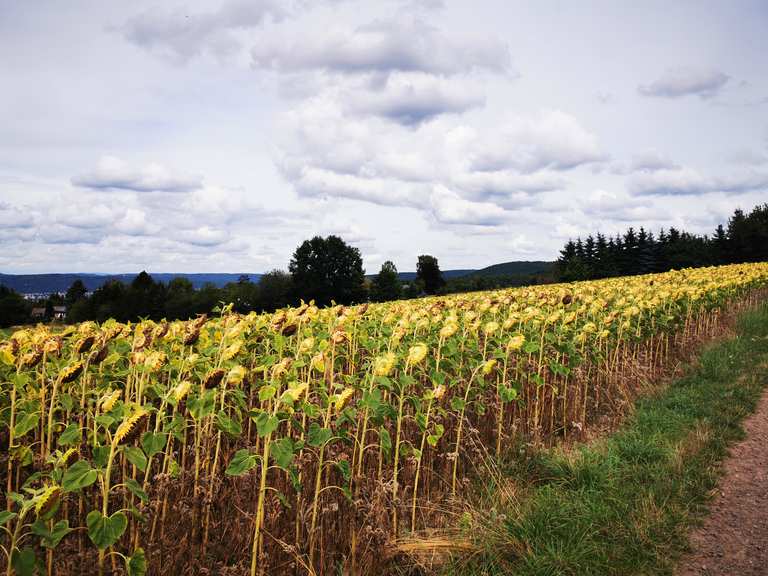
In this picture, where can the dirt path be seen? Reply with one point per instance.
(734, 538)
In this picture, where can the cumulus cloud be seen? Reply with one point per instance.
(449, 208)
(650, 161)
(677, 82)
(114, 174)
(327, 183)
(203, 236)
(688, 181)
(183, 34)
(413, 98)
(619, 206)
(395, 44)
(330, 154)
(550, 140)
(14, 217)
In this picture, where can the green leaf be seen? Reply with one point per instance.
(176, 427)
(25, 423)
(241, 462)
(111, 359)
(105, 420)
(105, 531)
(433, 439)
(5, 515)
(507, 394)
(282, 452)
(100, 456)
(266, 424)
(136, 564)
(531, 347)
(386, 440)
(136, 457)
(153, 442)
(51, 538)
(457, 404)
(24, 562)
(71, 435)
(317, 435)
(22, 454)
(202, 407)
(345, 469)
(228, 425)
(66, 402)
(136, 489)
(267, 392)
(78, 476)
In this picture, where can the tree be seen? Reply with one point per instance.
(13, 308)
(145, 297)
(180, 296)
(386, 285)
(76, 291)
(243, 295)
(275, 290)
(326, 269)
(428, 272)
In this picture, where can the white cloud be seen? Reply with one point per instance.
(14, 217)
(651, 160)
(184, 34)
(391, 44)
(450, 208)
(550, 140)
(204, 236)
(677, 82)
(113, 173)
(688, 181)
(413, 98)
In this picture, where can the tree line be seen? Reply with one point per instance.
(744, 239)
(325, 270)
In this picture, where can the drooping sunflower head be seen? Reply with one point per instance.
(109, 401)
(131, 427)
(48, 500)
(69, 373)
(417, 353)
(213, 378)
(383, 365)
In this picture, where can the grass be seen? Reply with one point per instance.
(625, 504)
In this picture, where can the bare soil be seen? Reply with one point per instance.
(733, 540)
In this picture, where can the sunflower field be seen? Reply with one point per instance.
(308, 440)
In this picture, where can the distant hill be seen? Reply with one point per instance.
(515, 268)
(51, 283)
(408, 276)
(502, 269)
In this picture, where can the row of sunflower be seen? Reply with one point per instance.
(303, 440)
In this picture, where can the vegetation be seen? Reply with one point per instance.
(428, 274)
(328, 270)
(13, 308)
(386, 285)
(624, 505)
(307, 439)
(640, 252)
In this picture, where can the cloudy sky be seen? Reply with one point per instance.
(182, 136)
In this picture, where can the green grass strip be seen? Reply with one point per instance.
(625, 504)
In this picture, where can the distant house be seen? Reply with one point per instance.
(59, 312)
(38, 313)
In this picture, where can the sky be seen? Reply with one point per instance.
(182, 136)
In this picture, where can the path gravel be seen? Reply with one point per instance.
(733, 541)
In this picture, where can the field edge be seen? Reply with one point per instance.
(624, 504)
